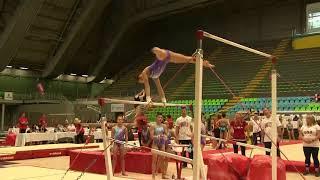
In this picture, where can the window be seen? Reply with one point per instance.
(314, 20)
(313, 17)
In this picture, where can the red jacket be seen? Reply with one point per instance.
(140, 121)
(42, 121)
(79, 129)
(239, 129)
(23, 123)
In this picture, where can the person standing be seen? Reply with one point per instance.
(79, 139)
(310, 134)
(184, 131)
(237, 132)
(224, 126)
(23, 123)
(290, 130)
(256, 130)
(158, 134)
(266, 131)
(120, 134)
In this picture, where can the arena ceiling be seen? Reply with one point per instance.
(82, 37)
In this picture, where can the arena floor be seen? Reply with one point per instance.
(55, 167)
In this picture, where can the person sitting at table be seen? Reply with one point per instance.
(70, 127)
(23, 123)
(59, 128)
(43, 123)
(35, 128)
(79, 138)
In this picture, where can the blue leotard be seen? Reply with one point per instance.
(158, 66)
(158, 138)
(119, 134)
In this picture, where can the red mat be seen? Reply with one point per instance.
(139, 162)
(32, 154)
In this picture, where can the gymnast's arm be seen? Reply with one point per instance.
(165, 131)
(112, 132)
(177, 131)
(151, 132)
(146, 85)
(126, 131)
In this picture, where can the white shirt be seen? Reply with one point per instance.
(256, 126)
(184, 124)
(310, 132)
(266, 126)
(71, 128)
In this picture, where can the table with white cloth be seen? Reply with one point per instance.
(23, 138)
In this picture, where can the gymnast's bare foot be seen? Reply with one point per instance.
(165, 177)
(150, 104)
(124, 174)
(207, 64)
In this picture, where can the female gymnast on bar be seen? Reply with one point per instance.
(154, 71)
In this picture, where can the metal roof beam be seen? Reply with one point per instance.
(75, 38)
(15, 31)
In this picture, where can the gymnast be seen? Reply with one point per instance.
(154, 71)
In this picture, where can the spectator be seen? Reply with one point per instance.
(79, 131)
(237, 131)
(256, 130)
(59, 128)
(170, 125)
(290, 130)
(310, 134)
(70, 127)
(23, 123)
(184, 131)
(223, 125)
(130, 133)
(203, 133)
(170, 122)
(140, 120)
(215, 131)
(266, 131)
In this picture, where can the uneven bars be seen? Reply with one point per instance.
(208, 35)
(239, 143)
(108, 100)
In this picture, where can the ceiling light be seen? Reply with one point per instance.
(73, 74)
(24, 68)
(84, 75)
(9, 66)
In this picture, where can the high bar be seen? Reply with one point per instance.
(298, 112)
(239, 143)
(108, 100)
(208, 35)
